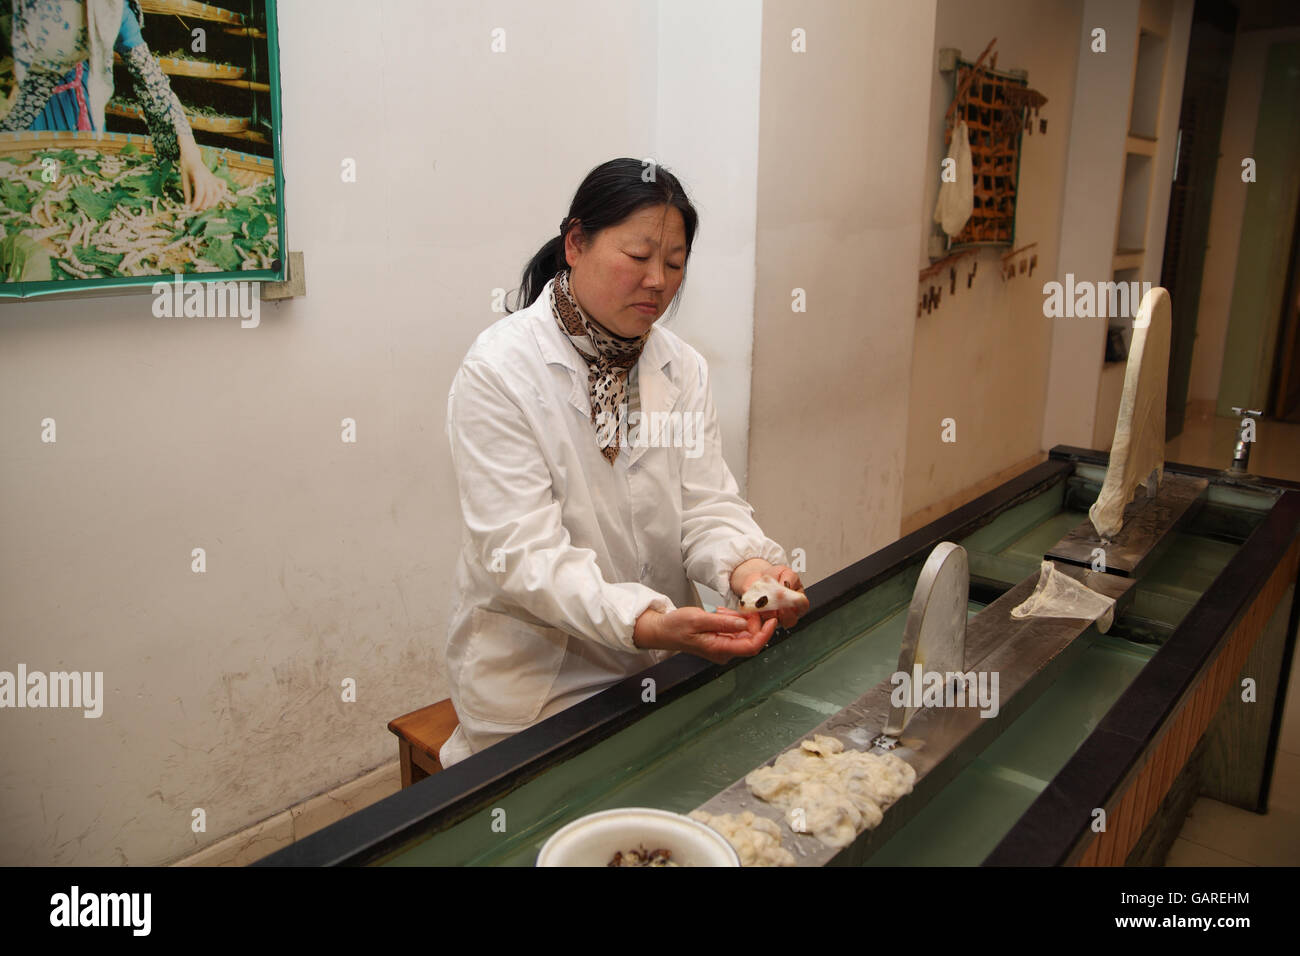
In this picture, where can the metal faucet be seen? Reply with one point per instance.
(1245, 438)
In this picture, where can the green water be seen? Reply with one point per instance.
(963, 824)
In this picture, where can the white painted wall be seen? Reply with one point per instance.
(1083, 398)
(841, 135)
(981, 357)
(325, 560)
(1228, 208)
(1173, 20)
(1093, 180)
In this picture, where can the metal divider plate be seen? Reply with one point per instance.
(939, 742)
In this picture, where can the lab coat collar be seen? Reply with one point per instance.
(657, 391)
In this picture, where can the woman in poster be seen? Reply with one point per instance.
(63, 68)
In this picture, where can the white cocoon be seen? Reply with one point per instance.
(957, 199)
(1059, 595)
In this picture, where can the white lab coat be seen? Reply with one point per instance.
(560, 552)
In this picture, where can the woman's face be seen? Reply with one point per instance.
(640, 260)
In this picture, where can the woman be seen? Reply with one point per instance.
(63, 67)
(583, 531)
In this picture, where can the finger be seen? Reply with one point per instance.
(751, 644)
(751, 625)
(185, 186)
(790, 616)
(713, 655)
(731, 620)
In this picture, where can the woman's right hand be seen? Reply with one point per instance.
(201, 189)
(717, 636)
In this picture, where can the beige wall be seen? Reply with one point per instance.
(1083, 396)
(1237, 141)
(842, 134)
(1173, 19)
(981, 357)
(324, 560)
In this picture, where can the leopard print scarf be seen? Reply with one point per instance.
(609, 359)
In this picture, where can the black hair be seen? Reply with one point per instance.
(608, 195)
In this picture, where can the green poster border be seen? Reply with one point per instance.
(79, 287)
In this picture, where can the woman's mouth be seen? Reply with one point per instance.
(646, 309)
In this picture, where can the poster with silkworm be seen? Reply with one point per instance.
(139, 141)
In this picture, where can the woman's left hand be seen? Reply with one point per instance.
(747, 572)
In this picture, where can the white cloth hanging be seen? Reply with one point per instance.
(957, 199)
(1137, 455)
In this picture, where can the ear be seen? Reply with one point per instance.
(575, 241)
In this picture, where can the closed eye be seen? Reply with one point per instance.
(646, 258)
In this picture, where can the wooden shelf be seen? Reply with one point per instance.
(1128, 259)
(1135, 202)
(197, 69)
(190, 8)
(245, 85)
(250, 135)
(1148, 83)
(1140, 145)
(245, 115)
(226, 125)
(231, 77)
(174, 66)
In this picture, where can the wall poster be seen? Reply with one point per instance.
(139, 143)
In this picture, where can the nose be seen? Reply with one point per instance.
(655, 272)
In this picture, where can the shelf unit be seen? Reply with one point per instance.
(241, 91)
(1129, 262)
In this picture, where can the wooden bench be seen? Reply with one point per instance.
(420, 735)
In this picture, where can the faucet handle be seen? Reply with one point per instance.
(1245, 438)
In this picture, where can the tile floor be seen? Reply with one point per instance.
(1214, 833)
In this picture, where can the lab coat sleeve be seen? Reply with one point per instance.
(718, 527)
(507, 501)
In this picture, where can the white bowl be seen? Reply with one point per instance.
(594, 839)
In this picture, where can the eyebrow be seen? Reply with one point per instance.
(655, 242)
